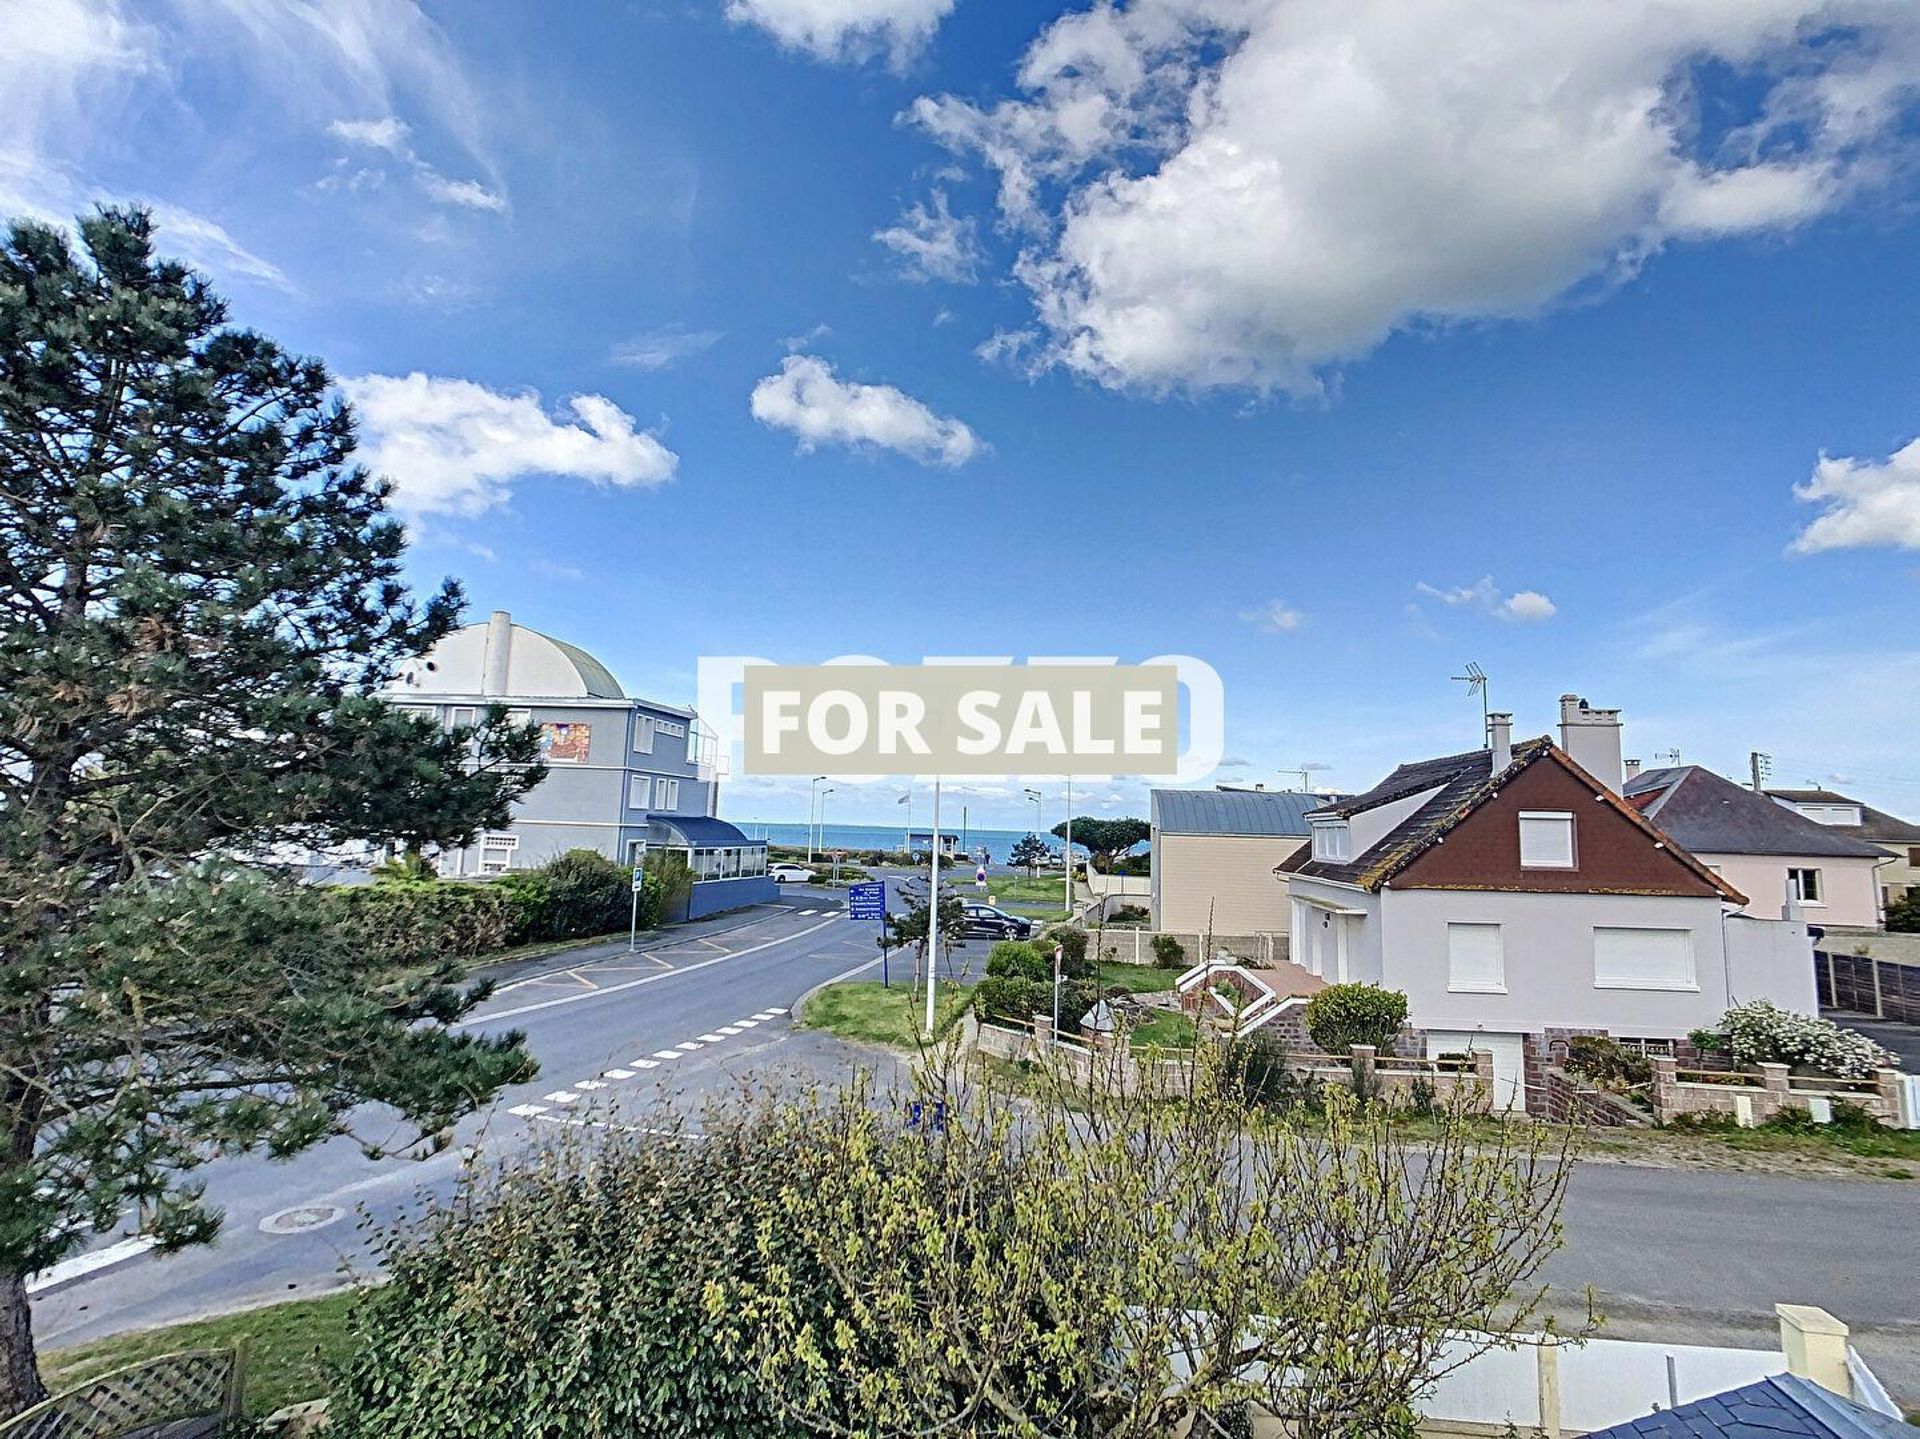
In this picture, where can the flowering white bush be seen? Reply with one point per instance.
(1761, 1032)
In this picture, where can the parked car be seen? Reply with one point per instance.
(790, 873)
(985, 920)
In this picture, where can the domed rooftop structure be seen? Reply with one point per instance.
(504, 659)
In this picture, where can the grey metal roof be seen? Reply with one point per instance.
(595, 676)
(1278, 812)
(702, 832)
(1784, 1406)
(1708, 814)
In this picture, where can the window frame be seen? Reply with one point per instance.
(1690, 985)
(1573, 838)
(1498, 985)
(1797, 889)
(1338, 837)
(666, 793)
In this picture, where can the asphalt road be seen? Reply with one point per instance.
(1693, 1256)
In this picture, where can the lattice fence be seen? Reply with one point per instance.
(194, 1384)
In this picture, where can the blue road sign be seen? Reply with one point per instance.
(867, 901)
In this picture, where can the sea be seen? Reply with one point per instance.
(997, 842)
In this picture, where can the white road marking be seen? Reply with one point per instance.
(745, 1023)
(617, 1074)
(562, 1096)
(527, 1111)
(91, 1262)
(689, 1046)
(729, 1030)
(668, 1054)
(805, 912)
(711, 1038)
(605, 990)
(644, 1063)
(588, 1084)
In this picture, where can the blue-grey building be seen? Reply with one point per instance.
(622, 773)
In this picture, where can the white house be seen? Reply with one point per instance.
(1516, 898)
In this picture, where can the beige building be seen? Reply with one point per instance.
(1896, 838)
(1214, 855)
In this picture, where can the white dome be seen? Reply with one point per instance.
(500, 658)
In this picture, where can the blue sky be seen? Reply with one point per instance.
(1274, 332)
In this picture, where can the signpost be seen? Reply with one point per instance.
(639, 883)
(869, 901)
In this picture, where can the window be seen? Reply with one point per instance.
(1475, 964)
(642, 735)
(1643, 958)
(639, 790)
(1546, 839)
(496, 852)
(1913, 858)
(672, 729)
(1332, 841)
(1804, 885)
(666, 794)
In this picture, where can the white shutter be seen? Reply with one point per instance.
(1474, 961)
(1546, 840)
(1643, 958)
(642, 788)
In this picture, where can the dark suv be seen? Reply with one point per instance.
(985, 920)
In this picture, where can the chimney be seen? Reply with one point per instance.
(1632, 770)
(1591, 738)
(498, 656)
(1500, 739)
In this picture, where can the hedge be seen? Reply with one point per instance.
(1343, 1015)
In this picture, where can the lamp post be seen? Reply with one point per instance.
(813, 809)
(1033, 798)
(933, 906)
(823, 828)
(1069, 849)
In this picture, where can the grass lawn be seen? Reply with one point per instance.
(867, 1011)
(291, 1348)
(1018, 889)
(1168, 1029)
(1136, 978)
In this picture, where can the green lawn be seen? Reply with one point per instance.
(865, 1010)
(291, 1348)
(1011, 889)
(1136, 978)
(1168, 1029)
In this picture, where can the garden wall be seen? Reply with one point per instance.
(1755, 1096)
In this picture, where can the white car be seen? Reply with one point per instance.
(790, 873)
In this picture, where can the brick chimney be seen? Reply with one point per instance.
(1592, 738)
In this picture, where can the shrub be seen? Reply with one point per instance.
(1343, 1015)
(587, 894)
(1011, 999)
(1760, 1032)
(1168, 952)
(1903, 915)
(1074, 963)
(1128, 915)
(1607, 1062)
(1258, 1068)
(407, 925)
(1019, 959)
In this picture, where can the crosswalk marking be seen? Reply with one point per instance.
(729, 1030)
(805, 912)
(618, 1074)
(527, 1111)
(562, 1096)
(710, 1038)
(644, 1063)
(588, 1084)
(746, 1023)
(690, 1045)
(668, 1054)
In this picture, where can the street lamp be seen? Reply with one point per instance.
(813, 810)
(1067, 850)
(823, 828)
(1033, 798)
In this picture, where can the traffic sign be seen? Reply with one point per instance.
(867, 901)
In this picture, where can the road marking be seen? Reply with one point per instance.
(605, 990)
(527, 1111)
(711, 1038)
(689, 1046)
(617, 1074)
(668, 1054)
(588, 1084)
(745, 1023)
(729, 1030)
(644, 1063)
(805, 912)
(562, 1096)
(91, 1262)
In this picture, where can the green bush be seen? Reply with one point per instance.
(1343, 1015)
(1607, 1062)
(586, 894)
(1072, 940)
(1020, 959)
(1259, 1066)
(1168, 952)
(1012, 999)
(408, 925)
(1903, 915)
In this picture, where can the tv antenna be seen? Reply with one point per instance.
(1475, 679)
(1306, 772)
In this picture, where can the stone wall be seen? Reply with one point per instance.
(1766, 1091)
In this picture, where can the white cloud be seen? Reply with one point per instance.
(808, 399)
(391, 136)
(933, 243)
(1868, 502)
(453, 446)
(1483, 594)
(1276, 617)
(846, 30)
(383, 133)
(1247, 193)
(657, 349)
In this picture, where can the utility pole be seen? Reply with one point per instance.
(1762, 767)
(813, 809)
(933, 906)
(1069, 848)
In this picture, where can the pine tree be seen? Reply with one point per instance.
(199, 600)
